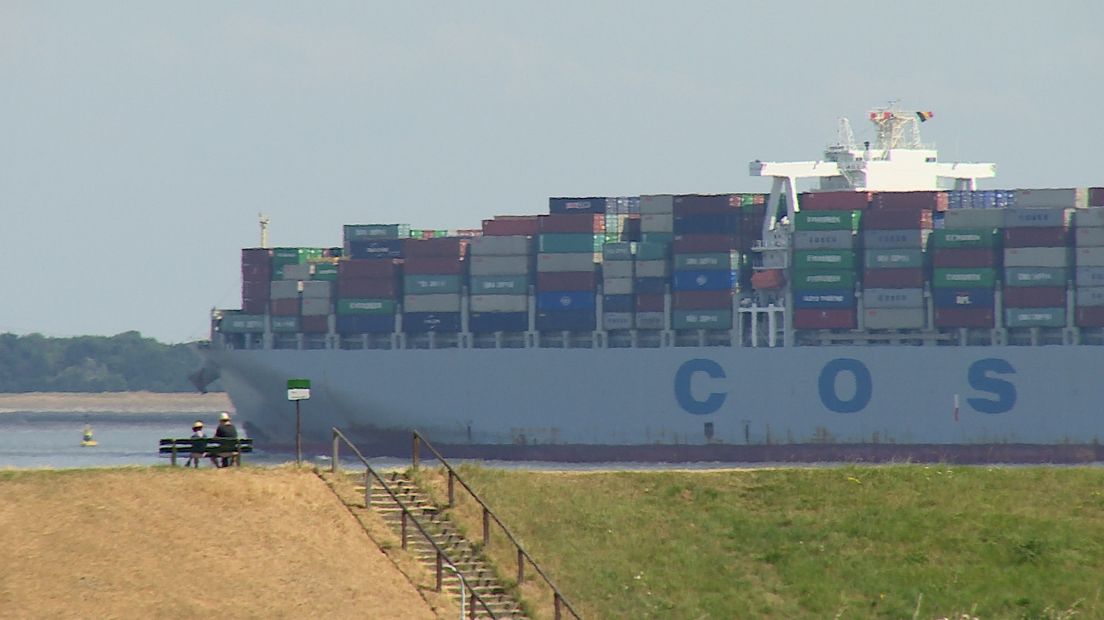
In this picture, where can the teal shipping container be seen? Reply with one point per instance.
(431, 284)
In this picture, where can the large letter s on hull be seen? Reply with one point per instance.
(980, 380)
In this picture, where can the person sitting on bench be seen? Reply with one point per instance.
(197, 433)
(225, 430)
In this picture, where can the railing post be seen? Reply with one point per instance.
(173, 460)
(471, 606)
(451, 488)
(333, 464)
(414, 453)
(403, 530)
(367, 488)
(486, 528)
(521, 566)
(556, 605)
(439, 570)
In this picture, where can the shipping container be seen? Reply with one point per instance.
(824, 299)
(427, 284)
(1034, 296)
(499, 285)
(893, 278)
(285, 324)
(296, 272)
(365, 324)
(834, 201)
(1089, 236)
(317, 288)
(663, 203)
(963, 297)
(285, 289)
(1090, 276)
(566, 300)
(649, 302)
(314, 306)
(506, 245)
(824, 259)
(1035, 317)
(657, 223)
(957, 219)
(1096, 197)
(899, 259)
(651, 268)
(567, 320)
(375, 307)
(618, 252)
(833, 220)
(766, 279)
(444, 302)
(562, 262)
(432, 265)
(423, 322)
(1033, 237)
(501, 265)
(1035, 276)
(703, 280)
(499, 303)
(702, 244)
(256, 257)
(511, 226)
(257, 273)
(571, 223)
(284, 307)
(897, 219)
(894, 318)
(1040, 257)
(964, 257)
(1090, 296)
(242, 324)
(1071, 198)
(376, 288)
(702, 300)
(657, 238)
(959, 238)
(618, 303)
(819, 280)
(707, 224)
(1089, 257)
(650, 285)
(617, 269)
(444, 247)
(650, 320)
(256, 290)
(703, 203)
(363, 232)
(914, 239)
(617, 320)
(567, 243)
(1090, 316)
(1020, 217)
(652, 251)
(324, 271)
(715, 260)
(549, 281)
(489, 322)
(979, 277)
(893, 297)
(577, 205)
(916, 201)
(701, 319)
(350, 269)
(823, 240)
(618, 286)
(378, 248)
(964, 317)
(809, 318)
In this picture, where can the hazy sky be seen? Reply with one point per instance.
(139, 140)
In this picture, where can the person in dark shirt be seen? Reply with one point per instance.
(225, 430)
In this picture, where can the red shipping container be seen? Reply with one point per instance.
(572, 223)
(1035, 296)
(693, 244)
(1030, 237)
(256, 256)
(506, 225)
(694, 204)
(914, 201)
(256, 272)
(284, 307)
(254, 306)
(367, 268)
(964, 317)
(1096, 196)
(964, 257)
(439, 247)
(433, 265)
(893, 278)
(897, 219)
(703, 300)
(768, 279)
(256, 290)
(834, 201)
(314, 324)
(807, 318)
(354, 288)
(651, 302)
(567, 281)
(1090, 316)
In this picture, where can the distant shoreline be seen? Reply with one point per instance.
(117, 402)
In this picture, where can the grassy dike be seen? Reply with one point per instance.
(907, 541)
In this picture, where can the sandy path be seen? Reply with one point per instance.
(134, 402)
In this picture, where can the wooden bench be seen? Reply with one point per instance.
(200, 447)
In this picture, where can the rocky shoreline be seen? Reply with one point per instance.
(117, 402)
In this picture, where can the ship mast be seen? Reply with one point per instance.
(264, 229)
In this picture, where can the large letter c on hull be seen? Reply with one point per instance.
(683, 387)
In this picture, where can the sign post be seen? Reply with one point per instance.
(297, 390)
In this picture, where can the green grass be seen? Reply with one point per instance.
(854, 542)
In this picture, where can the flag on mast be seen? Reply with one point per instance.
(923, 116)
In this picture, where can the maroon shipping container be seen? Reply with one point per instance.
(367, 268)
(440, 247)
(572, 223)
(1096, 196)
(694, 244)
(254, 306)
(964, 317)
(567, 281)
(284, 307)
(383, 288)
(1035, 296)
(508, 225)
(433, 265)
(256, 290)
(314, 324)
(893, 278)
(911, 201)
(1090, 316)
(897, 219)
(694, 204)
(1029, 237)
(834, 201)
(806, 318)
(703, 300)
(256, 272)
(256, 256)
(964, 257)
(649, 302)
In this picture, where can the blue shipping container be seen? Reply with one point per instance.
(618, 303)
(567, 320)
(421, 322)
(485, 322)
(824, 300)
(376, 248)
(566, 300)
(365, 324)
(703, 280)
(577, 205)
(708, 224)
(963, 297)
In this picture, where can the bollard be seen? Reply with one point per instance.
(556, 605)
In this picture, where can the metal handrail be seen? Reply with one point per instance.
(558, 599)
(442, 556)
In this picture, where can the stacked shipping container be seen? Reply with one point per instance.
(824, 265)
(1089, 262)
(501, 272)
(433, 274)
(1036, 265)
(895, 235)
(368, 285)
(618, 303)
(705, 261)
(566, 276)
(965, 257)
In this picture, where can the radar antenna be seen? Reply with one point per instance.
(264, 229)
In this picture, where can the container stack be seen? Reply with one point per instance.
(368, 278)
(501, 272)
(374, 240)
(433, 270)
(256, 268)
(657, 218)
(895, 233)
(651, 258)
(965, 256)
(1089, 261)
(618, 302)
(566, 276)
(823, 276)
(622, 219)
(706, 263)
(1036, 265)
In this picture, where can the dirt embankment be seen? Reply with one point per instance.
(119, 402)
(144, 543)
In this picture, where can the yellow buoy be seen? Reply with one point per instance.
(88, 441)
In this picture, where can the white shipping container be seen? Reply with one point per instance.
(302, 271)
(650, 320)
(663, 203)
(499, 303)
(913, 239)
(565, 262)
(617, 286)
(1092, 217)
(617, 269)
(1088, 236)
(322, 289)
(284, 289)
(657, 222)
(1070, 198)
(973, 218)
(315, 306)
(1090, 296)
(652, 268)
(508, 245)
(1089, 257)
(894, 318)
(893, 298)
(617, 320)
(1090, 276)
(442, 302)
(1038, 257)
(823, 240)
(498, 265)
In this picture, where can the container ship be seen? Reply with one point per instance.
(892, 312)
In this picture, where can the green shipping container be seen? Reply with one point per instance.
(324, 271)
(431, 284)
(824, 259)
(706, 262)
(650, 250)
(702, 319)
(664, 238)
(964, 277)
(242, 324)
(622, 250)
(965, 238)
(1035, 276)
(499, 285)
(569, 243)
(385, 307)
(902, 259)
(362, 232)
(828, 220)
(1035, 317)
(819, 280)
(285, 324)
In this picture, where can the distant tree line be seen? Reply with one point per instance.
(121, 363)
